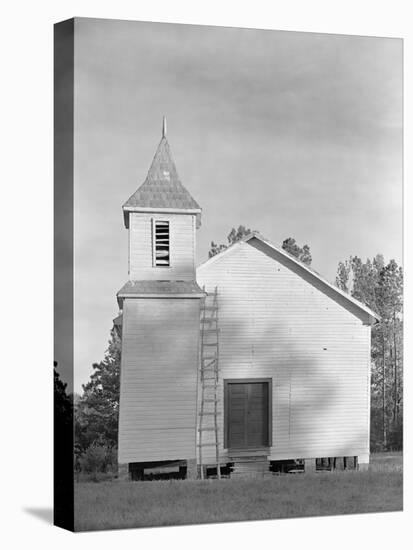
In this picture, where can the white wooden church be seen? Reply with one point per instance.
(251, 362)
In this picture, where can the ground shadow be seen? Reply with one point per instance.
(45, 514)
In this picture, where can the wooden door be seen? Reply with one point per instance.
(247, 414)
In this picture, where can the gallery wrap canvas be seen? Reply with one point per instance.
(228, 274)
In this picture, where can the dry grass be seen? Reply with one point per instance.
(112, 505)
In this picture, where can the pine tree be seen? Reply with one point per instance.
(389, 305)
(303, 254)
(62, 401)
(233, 236)
(380, 287)
(216, 249)
(97, 409)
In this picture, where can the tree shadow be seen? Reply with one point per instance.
(289, 338)
(282, 331)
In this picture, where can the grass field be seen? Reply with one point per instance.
(112, 505)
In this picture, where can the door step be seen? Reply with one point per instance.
(236, 455)
(250, 467)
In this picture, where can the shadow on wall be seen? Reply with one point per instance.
(311, 278)
(302, 405)
(306, 390)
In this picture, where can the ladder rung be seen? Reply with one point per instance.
(209, 368)
(209, 365)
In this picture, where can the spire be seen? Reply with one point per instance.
(162, 188)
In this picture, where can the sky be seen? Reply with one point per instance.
(290, 134)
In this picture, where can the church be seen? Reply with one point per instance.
(248, 364)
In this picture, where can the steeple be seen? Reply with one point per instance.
(160, 305)
(162, 218)
(164, 127)
(162, 190)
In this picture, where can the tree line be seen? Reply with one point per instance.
(289, 245)
(380, 287)
(373, 282)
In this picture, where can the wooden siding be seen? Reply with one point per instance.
(157, 414)
(274, 324)
(182, 247)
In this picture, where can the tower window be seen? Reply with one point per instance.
(161, 243)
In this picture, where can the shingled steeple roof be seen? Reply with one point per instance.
(162, 189)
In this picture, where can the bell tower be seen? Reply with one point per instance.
(162, 219)
(160, 306)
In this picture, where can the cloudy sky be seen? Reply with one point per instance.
(291, 134)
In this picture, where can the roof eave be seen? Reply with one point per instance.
(150, 209)
(353, 300)
(162, 295)
(120, 297)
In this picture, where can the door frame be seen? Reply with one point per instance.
(228, 381)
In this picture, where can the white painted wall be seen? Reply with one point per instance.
(276, 324)
(158, 379)
(182, 247)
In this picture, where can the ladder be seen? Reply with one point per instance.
(208, 378)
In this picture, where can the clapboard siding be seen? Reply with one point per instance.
(274, 324)
(157, 414)
(182, 247)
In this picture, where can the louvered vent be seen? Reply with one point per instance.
(161, 243)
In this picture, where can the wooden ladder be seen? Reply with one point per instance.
(209, 377)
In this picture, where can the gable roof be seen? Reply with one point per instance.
(302, 269)
(162, 189)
